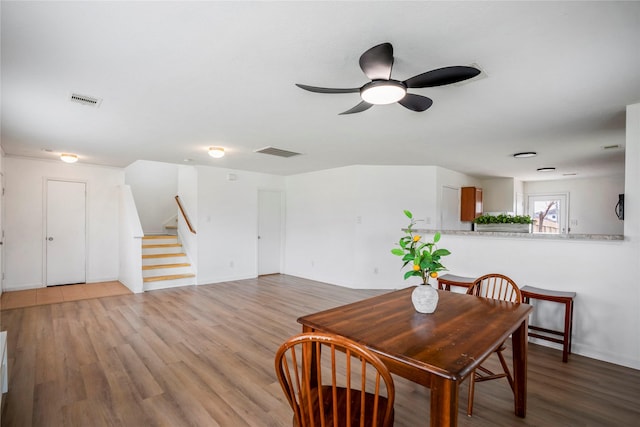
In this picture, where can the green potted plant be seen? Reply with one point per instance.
(424, 258)
(503, 223)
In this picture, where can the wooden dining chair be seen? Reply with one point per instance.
(330, 380)
(500, 287)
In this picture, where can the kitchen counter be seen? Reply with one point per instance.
(533, 236)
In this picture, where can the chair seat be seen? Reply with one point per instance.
(355, 397)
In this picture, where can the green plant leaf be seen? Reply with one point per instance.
(408, 214)
(441, 252)
(436, 237)
(411, 273)
(397, 251)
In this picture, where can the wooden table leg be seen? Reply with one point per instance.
(444, 402)
(520, 343)
(568, 323)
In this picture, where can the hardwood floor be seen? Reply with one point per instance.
(190, 357)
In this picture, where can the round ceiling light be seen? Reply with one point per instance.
(68, 158)
(546, 169)
(216, 152)
(525, 154)
(380, 92)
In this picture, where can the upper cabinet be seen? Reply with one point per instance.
(471, 203)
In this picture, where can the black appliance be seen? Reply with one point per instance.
(620, 207)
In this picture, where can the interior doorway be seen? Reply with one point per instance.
(270, 228)
(65, 238)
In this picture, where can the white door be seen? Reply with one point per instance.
(549, 212)
(269, 231)
(65, 232)
(450, 213)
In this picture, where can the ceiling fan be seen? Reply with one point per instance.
(376, 63)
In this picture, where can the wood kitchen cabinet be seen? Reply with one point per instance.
(471, 203)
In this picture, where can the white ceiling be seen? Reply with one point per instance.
(178, 77)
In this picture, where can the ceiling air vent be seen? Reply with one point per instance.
(85, 100)
(276, 152)
(611, 147)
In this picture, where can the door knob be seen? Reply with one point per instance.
(50, 239)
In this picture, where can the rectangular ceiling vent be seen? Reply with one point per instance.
(276, 152)
(611, 147)
(85, 100)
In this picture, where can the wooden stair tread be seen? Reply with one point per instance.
(158, 236)
(168, 277)
(165, 245)
(156, 266)
(177, 254)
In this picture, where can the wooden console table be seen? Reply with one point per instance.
(566, 298)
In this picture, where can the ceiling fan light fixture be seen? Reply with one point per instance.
(381, 92)
(216, 152)
(68, 158)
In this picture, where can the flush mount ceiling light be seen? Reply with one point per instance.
(546, 169)
(68, 158)
(382, 92)
(216, 152)
(525, 154)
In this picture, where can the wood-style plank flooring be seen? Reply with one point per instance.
(203, 356)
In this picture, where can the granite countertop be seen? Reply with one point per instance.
(534, 236)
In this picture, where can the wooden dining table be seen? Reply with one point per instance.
(437, 350)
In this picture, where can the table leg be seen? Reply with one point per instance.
(444, 402)
(520, 343)
(568, 320)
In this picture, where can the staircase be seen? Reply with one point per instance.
(164, 263)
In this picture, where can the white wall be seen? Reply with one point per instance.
(24, 219)
(130, 242)
(498, 195)
(591, 202)
(342, 223)
(227, 221)
(154, 186)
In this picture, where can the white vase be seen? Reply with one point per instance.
(424, 299)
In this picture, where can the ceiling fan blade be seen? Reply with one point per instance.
(358, 108)
(377, 62)
(415, 102)
(442, 76)
(327, 89)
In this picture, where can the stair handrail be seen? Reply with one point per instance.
(184, 215)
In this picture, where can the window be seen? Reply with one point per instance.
(549, 213)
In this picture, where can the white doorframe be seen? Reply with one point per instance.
(44, 225)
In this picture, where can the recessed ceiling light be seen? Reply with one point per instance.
(68, 158)
(216, 152)
(525, 154)
(546, 169)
